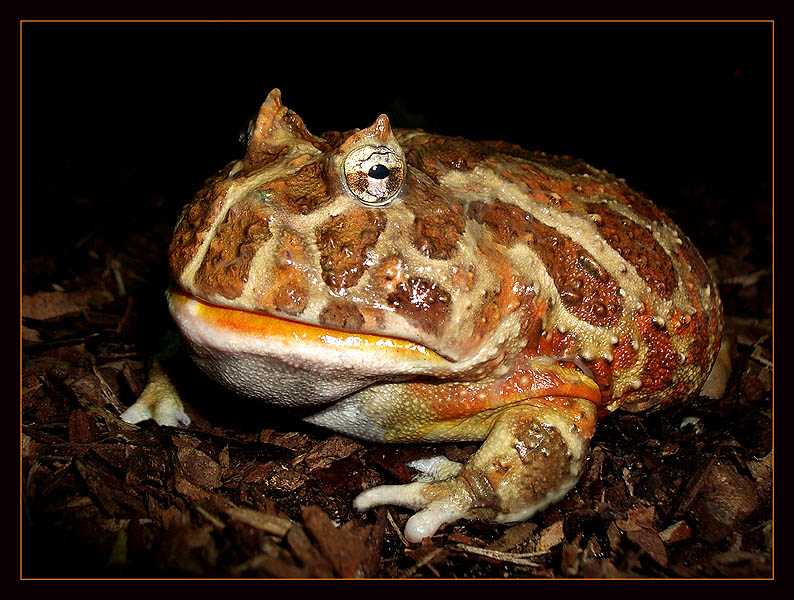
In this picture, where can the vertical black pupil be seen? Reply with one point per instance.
(379, 172)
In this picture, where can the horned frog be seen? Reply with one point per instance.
(435, 289)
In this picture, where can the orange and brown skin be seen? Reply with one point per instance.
(558, 285)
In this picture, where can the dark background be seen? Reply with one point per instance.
(120, 119)
(121, 123)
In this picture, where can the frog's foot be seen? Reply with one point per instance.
(159, 401)
(435, 468)
(530, 459)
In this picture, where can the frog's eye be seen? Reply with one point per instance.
(374, 174)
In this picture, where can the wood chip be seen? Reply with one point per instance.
(639, 528)
(211, 518)
(515, 558)
(267, 523)
(48, 305)
(51, 305)
(725, 500)
(199, 468)
(676, 532)
(513, 536)
(331, 450)
(550, 537)
(342, 547)
(761, 470)
(307, 554)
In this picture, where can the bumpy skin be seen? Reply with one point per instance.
(443, 289)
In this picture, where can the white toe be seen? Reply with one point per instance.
(408, 495)
(435, 468)
(426, 522)
(136, 413)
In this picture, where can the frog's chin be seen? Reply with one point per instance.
(290, 363)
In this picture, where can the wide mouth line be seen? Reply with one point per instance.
(180, 291)
(265, 325)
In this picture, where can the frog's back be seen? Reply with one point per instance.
(622, 289)
(481, 250)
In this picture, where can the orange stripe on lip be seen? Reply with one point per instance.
(265, 326)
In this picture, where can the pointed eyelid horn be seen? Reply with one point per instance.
(277, 124)
(380, 133)
(382, 128)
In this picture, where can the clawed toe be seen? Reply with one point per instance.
(438, 504)
(429, 520)
(408, 495)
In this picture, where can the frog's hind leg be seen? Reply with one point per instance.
(717, 381)
(533, 454)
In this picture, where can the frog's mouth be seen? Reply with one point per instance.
(288, 362)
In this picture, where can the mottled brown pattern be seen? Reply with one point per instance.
(549, 181)
(499, 302)
(438, 223)
(290, 292)
(511, 150)
(491, 310)
(699, 275)
(702, 354)
(388, 273)
(225, 267)
(639, 204)
(344, 242)
(343, 247)
(638, 247)
(304, 191)
(334, 139)
(624, 355)
(261, 158)
(340, 314)
(555, 343)
(422, 302)
(525, 174)
(436, 155)
(294, 123)
(287, 288)
(277, 128)
(662, 359)
(602, 375)
(707, 323)
(544, 453)
(195, 221)
(586, 289)
(535, 316)
(464, 278)
(699, 329)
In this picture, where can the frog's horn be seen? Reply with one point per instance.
(275, 126)
(379, 132)
(382, 128)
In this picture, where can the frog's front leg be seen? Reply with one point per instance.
(533, 453)
(159, 401)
